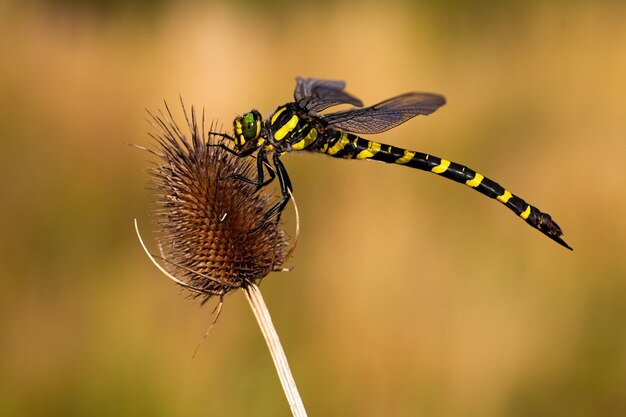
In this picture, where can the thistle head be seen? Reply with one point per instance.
(212, 232)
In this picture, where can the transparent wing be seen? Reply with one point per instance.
(385, 115)
(316, 95)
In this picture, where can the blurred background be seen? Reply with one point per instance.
(410, 296)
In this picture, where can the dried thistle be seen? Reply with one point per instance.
(210, 222)
(213, 234)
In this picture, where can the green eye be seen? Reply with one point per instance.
(250, 127)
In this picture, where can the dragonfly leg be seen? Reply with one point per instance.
(285, 187)
(260, 181)
(242, 154)
(221, 135)
(261, 161)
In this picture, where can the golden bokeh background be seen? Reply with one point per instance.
(410, 296)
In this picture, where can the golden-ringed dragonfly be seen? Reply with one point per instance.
(299, 126)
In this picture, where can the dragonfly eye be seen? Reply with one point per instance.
(247, 128)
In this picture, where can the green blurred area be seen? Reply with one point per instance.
(410, 295)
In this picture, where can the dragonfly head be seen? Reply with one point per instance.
(247, 128)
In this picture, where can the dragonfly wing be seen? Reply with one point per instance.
(385, 115)
(316, 95)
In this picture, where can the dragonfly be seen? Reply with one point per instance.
(300, 126)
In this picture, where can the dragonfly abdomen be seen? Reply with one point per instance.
(349, 146)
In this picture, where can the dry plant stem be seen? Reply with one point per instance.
(253, 294)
